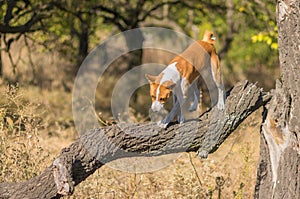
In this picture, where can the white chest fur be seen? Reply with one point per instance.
(170, 73)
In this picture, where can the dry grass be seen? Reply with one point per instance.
(36, 126)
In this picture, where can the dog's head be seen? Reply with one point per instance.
(159, 91)
(209, 37)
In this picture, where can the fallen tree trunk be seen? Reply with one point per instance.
(100, 146)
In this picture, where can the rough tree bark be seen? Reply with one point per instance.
(99, 146)
(279, 167)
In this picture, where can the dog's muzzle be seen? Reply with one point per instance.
(156, 106)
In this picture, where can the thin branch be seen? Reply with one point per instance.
(21, 28)
(195, 171)
(116, 15)
(136, 186)
(34, 41)
(30, 56)
(14, 66)
(157, 6)
(44, 12)
(70, 11)
(8, 16)
(208, 4)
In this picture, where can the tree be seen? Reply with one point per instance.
(278, 172)
(77, 19)
(14, 10)
(68, 26)
(19, 18)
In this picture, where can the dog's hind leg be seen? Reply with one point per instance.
(180, 117)
(196, 94)
(184, 87)
(216, 73)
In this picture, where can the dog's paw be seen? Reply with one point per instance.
(193, 108)
(162, 125)
(181, 122)
(180, 119)
(202, 154)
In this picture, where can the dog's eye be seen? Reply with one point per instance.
(153, 97)
(162, 99)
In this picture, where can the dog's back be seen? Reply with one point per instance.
(193, 59)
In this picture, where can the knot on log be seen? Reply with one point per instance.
(60, 173)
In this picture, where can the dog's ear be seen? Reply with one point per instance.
(151, 78)
(209, 37)
(169, 84)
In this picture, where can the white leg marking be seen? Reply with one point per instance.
(221, 104)
(196, 94)
(184, 87)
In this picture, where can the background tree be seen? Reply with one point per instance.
(74, 28)
(278, 172)
(19, 17)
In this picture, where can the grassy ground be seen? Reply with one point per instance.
(36, 124)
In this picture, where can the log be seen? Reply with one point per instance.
(100, 146)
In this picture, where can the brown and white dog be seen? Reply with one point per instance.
(181, 74)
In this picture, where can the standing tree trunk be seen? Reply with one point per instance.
(134, 40)
(279, 167)
(83, 37)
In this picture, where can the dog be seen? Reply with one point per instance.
(179, 78)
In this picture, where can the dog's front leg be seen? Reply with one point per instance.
(164, 123)
(175, 100)
(180, 99)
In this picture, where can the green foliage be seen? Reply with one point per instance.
(252, 35)
(270, 38)
(245, 54)
(62, 30)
